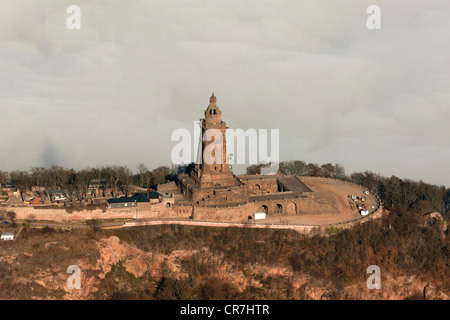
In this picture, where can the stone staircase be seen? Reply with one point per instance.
(293, 184)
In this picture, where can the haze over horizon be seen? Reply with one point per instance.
(113, 92)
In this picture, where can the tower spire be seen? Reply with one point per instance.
(213, 99)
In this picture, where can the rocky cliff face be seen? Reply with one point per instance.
(434, 219)
(49, 281)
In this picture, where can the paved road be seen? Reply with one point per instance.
(73, 226)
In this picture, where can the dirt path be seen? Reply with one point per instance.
(341, 203)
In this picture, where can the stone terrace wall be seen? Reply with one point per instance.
(154, 211)
(229, 213)
(63, 215)
(232, 213)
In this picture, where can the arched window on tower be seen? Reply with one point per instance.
(214, 111)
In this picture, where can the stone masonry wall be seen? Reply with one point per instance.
(154, 211)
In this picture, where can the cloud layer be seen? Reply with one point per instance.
(112, 92)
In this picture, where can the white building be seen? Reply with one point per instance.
(259, 215)
(7, 235)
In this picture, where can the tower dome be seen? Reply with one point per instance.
(213, 115)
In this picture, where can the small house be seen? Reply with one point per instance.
(7, 235)
(140, 199)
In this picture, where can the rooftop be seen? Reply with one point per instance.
(140, 197)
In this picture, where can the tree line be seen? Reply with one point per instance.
(393, 191)
(113, 177)
(301, 168)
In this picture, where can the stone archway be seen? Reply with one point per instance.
(278, 208)
(256, 188)
(291, 209)
(264, 208)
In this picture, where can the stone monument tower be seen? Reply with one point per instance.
(212, 169)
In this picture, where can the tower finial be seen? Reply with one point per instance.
(213, 98)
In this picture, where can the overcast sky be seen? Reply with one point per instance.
(113, 92)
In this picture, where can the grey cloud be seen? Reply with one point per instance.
(113, 91)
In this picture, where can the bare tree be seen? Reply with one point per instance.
(126, 178)
(22, 179)
(38, 176)
(160, 174)
(60, 176)
(2, 215)
(30, 218)
(314, 170)
(141, 171)
(81, 182)
(328, 170)
(94, 224)
(113, 174)
(253, 169)
(340, 172)
(12, 216)
(3, 177)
